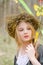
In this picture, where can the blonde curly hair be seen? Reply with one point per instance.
(13, 21)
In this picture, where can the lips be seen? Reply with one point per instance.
(26, 36)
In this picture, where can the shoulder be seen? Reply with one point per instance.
(40, 51)
(15, 58)
(40, 48)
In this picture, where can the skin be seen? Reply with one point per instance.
(22, 30)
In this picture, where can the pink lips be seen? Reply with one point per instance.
(26, 36)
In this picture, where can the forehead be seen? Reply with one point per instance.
(24, 24)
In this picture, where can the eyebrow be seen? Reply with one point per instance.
(22, 27)
(19, 27)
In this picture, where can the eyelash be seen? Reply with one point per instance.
(29, 28)
(23, 29)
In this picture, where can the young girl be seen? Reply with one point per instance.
(23, 29)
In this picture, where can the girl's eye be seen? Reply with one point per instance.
(20, 29)
(28, 28)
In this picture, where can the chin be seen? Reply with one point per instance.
(26, 40)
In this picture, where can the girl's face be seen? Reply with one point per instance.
(24, 31)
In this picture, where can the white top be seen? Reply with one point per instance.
(22, 59)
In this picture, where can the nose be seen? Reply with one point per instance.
(25, 31)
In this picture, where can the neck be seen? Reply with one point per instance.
(23, 47)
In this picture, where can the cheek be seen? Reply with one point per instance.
(30, 33)
(18, 34)
(21, 34)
